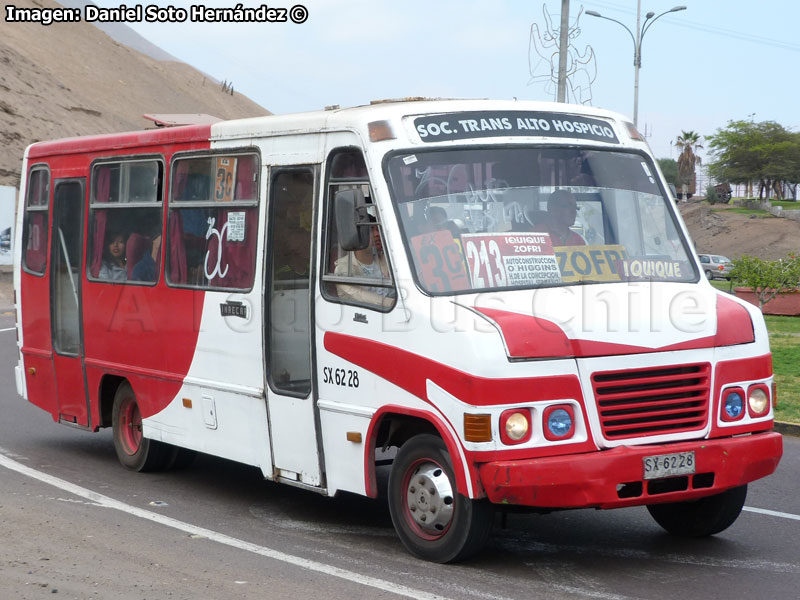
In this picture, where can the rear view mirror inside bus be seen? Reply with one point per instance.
(351, 220)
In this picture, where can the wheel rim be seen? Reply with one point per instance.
(709, 275)
(130, 426)
(428, 499)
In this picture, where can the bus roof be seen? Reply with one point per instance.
(333, 119)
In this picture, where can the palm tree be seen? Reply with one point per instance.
(688, 142)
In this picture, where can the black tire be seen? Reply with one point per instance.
(455, 527)
(134, 451)
(700, 518)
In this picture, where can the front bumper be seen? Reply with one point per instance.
(614, 478)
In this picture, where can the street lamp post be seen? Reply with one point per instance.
(649, 19)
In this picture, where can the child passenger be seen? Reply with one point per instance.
(113, 267)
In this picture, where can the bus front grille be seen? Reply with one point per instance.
(652, 401)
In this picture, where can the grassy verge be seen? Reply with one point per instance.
(722, 284)
(784, 339)
(786, 204)
(741, 211)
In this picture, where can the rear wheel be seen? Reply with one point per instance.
(709, 275)
(431, 518)
(700, 518)
(135, 451)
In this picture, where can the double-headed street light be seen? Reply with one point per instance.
(649, 19)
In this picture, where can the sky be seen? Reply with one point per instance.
(716, 61)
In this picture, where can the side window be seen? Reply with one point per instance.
(705, 259)
(213, 222)
(35, 227)
(359, 277)
(126, 221)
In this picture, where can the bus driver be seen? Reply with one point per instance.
(562, 209)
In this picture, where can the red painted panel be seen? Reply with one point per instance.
(450, 442)
(411, 371)
(71, 393)
(734, 325)
(147, 334)
(730, 371)
(533, 337)
(40, 381)
(129, 142)
(592, 480)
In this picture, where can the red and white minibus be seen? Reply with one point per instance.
(498, 298)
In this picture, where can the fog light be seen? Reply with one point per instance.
(515, 426)
(559, 422)
(758, 400)
(733, 405)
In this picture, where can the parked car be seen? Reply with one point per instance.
(716, 266)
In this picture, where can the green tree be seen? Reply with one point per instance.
(669, 167)
(767, 277)
(765, 153)
(688, 142)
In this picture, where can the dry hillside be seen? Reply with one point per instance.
(72, 79)
(732, 234)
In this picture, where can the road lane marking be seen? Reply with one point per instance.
(9, 329)
(311, 565)
(772, 513)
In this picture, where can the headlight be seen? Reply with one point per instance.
(559, 422)
(733, 404)
(758, 400)
(515, 426)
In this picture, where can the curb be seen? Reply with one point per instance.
(787, 428)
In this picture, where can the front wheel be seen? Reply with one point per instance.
(135, 451)
(431, 518)
(700, 518)
(709, 275)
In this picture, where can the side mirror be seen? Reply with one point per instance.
(351, 220)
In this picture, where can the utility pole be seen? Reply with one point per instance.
(637, 62)
(563, 46)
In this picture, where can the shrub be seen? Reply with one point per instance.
(767, 277)
(712, 196)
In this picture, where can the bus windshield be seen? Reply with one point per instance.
(497, 218)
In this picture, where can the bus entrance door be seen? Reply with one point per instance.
(293, 414)
(65, 283)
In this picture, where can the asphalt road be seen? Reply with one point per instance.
(76, 524)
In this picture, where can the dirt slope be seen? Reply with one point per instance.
(731, 234)
(72, 79)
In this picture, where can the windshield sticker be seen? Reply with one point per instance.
(500, 260)
(409, 160)
(440, 262)
(465, 125)
(643, 268)
(647, 172)
(590, 263)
